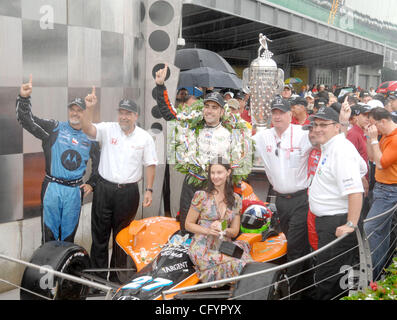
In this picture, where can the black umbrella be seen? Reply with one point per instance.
(186, 59)
(208, 77)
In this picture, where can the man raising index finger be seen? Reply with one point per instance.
(67, 151)
(125, 150)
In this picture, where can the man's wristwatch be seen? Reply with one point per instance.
(149, 189)
(351, 225)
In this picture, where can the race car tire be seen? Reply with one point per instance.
(60, 256)
(268, 286)
(125, 261)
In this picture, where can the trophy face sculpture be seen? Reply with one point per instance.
(264, 82)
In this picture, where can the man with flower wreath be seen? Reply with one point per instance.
(200, 143)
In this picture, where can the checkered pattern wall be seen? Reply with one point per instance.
(69, 46)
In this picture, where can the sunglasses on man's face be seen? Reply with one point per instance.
(322, 125)
(276, 152)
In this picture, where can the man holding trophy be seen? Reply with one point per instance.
(284, 149)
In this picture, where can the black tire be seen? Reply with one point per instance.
(123, 260)
(275, 284)
(60, 256)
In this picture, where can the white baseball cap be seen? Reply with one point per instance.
(231, 94)
(374, 103)
(309, 95)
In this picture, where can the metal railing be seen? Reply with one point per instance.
(365, 269)
(388, 215)
(253, 274)
(59, 274)
(364, 266)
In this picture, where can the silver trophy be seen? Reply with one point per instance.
(264, 82)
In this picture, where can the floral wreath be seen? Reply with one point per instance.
(182, 142)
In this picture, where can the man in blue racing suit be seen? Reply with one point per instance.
(66, 150)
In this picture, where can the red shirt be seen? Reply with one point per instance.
(295, 121)
(356, 136)
(245, 115)
(312, 162)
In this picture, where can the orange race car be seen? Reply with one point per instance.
(156, 256)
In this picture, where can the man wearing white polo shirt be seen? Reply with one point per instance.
(335, 198)
(126, 149)
(285, 149)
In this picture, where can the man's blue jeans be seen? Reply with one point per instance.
(378, 230)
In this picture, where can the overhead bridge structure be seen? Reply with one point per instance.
(231, 28)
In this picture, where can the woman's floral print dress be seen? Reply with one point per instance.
(204, 252)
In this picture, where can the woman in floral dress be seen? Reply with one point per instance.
(209, 208)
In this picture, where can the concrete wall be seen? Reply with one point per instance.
(365, 76)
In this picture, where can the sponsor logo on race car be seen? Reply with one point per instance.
(175, 267)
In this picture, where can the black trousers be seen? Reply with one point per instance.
(293, 222)
(187, 194)
(332, 275)
(113, 209)
(166, 191)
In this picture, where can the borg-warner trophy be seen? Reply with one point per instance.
(263, 81)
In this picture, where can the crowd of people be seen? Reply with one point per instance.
(329, 156)
(319, 159)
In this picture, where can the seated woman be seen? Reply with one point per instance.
(209, 208)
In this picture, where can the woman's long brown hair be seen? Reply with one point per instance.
(229, 190)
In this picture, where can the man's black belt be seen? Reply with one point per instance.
(290, 195)
(116, 185)
(68, 183)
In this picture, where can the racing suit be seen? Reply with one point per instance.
(66, 152)
(211, 142)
